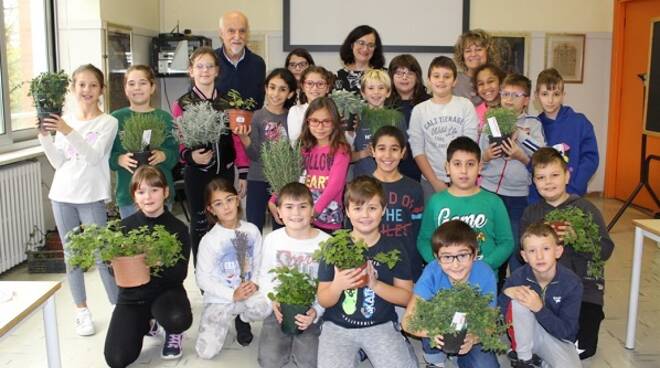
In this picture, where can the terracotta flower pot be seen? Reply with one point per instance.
(130, 271)
(453, 342)
(289, 312)
(238, 117)
(364, 280)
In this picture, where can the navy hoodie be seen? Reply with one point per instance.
(574, 133)
(247, 77)
(561, 298)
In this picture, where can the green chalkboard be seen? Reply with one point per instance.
(652, 113)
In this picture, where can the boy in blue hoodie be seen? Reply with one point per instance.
(542, 301)
(567, 131)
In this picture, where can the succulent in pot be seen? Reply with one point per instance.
(142, 133)
(200, 126)
(48, 91)
(240, 113)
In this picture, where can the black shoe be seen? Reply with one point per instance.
(517, 363)
(243, 332)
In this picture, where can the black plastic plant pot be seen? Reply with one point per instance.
(453, 342)
(142, 157)
(499, 140)
(205, 147)
(289, 312)
(43, 113)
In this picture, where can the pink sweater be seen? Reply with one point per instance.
(325, 178)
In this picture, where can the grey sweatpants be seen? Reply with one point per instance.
(217, 318)
(532, 338)
(383, 344)
(276, 349)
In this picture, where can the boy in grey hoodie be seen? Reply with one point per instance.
(505, 170)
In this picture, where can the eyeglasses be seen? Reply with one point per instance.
(319, 84)
(204, 66)
(461, 258)
(361, 43)
(402, 73)
(315, 123)
(300, 65)
(507, 94)
(228, 201)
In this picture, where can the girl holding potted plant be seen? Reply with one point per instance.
(139, 86)
(203, 165)
(268, 124)
(80, 152)
(229, 256)
(163, 300)
(488, 78)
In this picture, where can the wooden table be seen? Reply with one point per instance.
(28, 297)
(643, 228)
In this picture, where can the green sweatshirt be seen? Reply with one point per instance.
(169, 147)
(483, 211)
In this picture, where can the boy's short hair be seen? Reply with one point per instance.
(389, 131)
(454, 232)
(465, 144)
(551, 79)
(539, 229)
(518, 80)
(442, 62)
(295, 190)
(547, 155)
(376, 75)
(362, 189)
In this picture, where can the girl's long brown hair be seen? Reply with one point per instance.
(337, 139)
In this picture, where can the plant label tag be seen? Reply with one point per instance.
(494, 127)
(458, 322)
(303, 177)
(146, 137)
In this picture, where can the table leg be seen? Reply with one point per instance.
(52, 339)
(634, 289)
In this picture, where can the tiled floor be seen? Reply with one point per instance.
(25, 347)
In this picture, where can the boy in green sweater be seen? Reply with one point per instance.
(464, 200)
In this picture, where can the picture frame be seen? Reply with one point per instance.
(513, 50)
(565, 52)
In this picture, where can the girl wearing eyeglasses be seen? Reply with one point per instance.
(297, 62)
(315, 82)
(202, 165)
(326, 157)
(229, 255)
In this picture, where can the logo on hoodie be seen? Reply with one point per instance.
(557, 299)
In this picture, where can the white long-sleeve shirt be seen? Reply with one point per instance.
(282, 250)
(80, 159)
(294, 122)
(218, 270)
(433, 126)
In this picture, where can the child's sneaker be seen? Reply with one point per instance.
(154, 328)
(517, 363)
(84, 323)
(173, 347)
(243, 332)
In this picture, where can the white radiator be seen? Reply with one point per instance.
(21, 209)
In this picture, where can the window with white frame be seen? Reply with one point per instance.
(27, 49)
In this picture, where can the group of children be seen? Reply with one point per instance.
(431, 186)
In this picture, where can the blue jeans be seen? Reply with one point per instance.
(515, 206)
(474, 358)
(69, 216)
(258, 193)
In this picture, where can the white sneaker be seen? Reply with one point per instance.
(84, 324)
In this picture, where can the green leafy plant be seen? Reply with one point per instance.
(435, 316)
(238, 102)
(281, 163)
(342, 251)
(48, 90)
(586, 238)
(131, 136)
(506, 120)
(200, 125)
(377, 118)
(348, 103)
(161, 248)
(294, 287)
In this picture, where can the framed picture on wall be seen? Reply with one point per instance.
(513, 50)
(565, 52)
